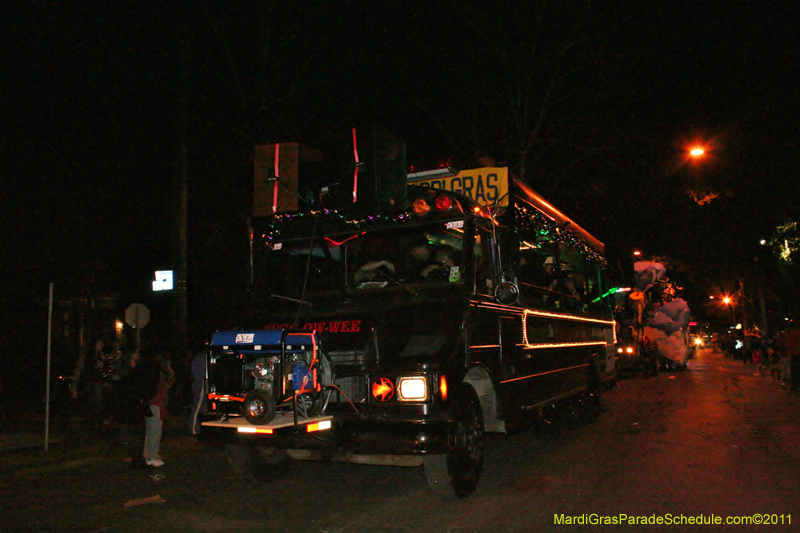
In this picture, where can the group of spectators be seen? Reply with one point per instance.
(777, 356)
(132, 391)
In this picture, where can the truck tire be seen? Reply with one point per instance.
(255, 464)
(457, 472)
(651, 362)
(593, 399)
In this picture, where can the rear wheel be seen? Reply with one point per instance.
(593, 400)
(458, 471)
(652, 362)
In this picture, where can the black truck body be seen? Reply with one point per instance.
(404, 333)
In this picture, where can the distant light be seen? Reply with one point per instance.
(637, 253)
(696, 152)
(763, 242)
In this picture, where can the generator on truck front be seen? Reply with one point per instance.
(267, 375)
(401, 324)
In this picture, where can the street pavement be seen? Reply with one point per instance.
(26, 440)
(712, 439)
(30, 445)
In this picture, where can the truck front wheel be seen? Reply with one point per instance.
(256, 463)
(458, 471)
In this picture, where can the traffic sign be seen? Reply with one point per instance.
(164, 280)
(137, 315)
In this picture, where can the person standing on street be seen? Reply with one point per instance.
(758, 356)
(792, 347)
(89, 377)
(130, 406)
(154, 423)
(783, 359)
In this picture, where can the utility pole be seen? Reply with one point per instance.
(180, 208)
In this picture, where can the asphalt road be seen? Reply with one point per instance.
(711, 442)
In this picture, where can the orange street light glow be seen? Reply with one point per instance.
(696, 152)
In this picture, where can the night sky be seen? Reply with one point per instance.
(615, 93)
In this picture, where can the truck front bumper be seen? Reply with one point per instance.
(350, 434)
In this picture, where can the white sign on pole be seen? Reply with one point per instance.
(164, 280)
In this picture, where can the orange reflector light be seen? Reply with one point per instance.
(250, 429)
(420, 207)
(443, 387)
(225, 398)
(383, 389)
(319, 426)
(480, 211)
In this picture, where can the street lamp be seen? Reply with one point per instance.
(696, 152)
(730, 303)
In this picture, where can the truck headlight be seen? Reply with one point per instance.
(412, 389)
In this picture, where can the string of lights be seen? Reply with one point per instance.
(533, 220)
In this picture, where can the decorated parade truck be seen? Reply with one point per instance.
(402, 323)
(653, 323)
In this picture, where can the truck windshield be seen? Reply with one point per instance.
(298, 269)
(430, 254)
(371, 260)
